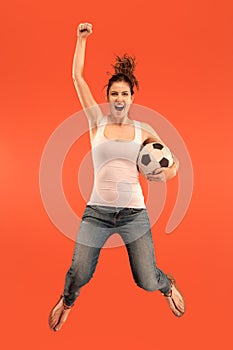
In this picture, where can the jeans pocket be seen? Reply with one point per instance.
(89, 211)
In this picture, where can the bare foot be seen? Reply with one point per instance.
(58, 315)
(175, 299)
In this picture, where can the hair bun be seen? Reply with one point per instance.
(126, 65)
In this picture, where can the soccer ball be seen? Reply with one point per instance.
(152, 156)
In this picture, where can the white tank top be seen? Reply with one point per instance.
(116, 181)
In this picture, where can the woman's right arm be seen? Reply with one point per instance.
(92, 110)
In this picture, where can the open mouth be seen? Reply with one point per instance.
(119, 106)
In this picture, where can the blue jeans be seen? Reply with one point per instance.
(98, 224)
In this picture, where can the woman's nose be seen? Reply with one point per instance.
(119, 98)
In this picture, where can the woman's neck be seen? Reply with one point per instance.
(119, 120)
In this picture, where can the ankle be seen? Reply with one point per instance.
(65, 304)
(66, 307)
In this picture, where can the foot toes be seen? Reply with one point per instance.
(175, 300)
(58, 315)
(57, 328)
(52, 322)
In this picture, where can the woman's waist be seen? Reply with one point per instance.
(121, 194)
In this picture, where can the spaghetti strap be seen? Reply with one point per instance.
(100, 131)
(100, 128)
(138, 132)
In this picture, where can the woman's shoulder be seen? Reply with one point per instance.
(148, 132)
(145, 127)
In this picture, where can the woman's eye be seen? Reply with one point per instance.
(125, 94)
(113, 94)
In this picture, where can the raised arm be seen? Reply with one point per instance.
(93, 111)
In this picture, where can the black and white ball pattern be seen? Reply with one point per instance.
(153, 156)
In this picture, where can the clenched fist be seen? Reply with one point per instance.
(84, 30)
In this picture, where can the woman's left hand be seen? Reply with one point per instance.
(162, 174)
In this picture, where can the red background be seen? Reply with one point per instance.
(184, 52)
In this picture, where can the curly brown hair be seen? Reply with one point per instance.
(124, 71)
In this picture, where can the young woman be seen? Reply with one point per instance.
(116, 203)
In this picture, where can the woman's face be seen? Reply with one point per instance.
(120, 98)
